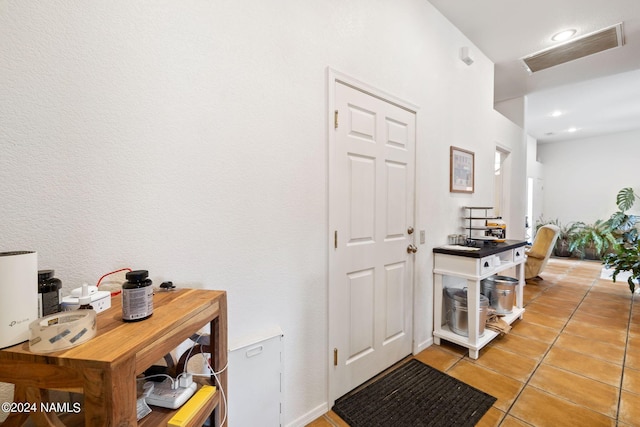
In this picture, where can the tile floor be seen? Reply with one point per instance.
(573, 360)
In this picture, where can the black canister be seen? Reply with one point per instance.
(137, 296)
(49, 289)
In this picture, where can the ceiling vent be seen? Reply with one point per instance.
(580, 47)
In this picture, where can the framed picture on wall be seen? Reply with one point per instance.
(461, 170)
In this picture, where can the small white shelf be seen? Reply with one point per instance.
(445, 333)
(472, 268)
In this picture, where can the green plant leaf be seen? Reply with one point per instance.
(625, 198)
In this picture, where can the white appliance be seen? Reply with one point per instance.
(18, 295)
(256, 379)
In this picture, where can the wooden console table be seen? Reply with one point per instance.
(104, 368)
(469, 267)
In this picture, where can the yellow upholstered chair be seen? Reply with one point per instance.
(538, 254)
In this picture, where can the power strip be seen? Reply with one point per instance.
(163, 395)
(100, 300)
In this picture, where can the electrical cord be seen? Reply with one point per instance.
(108, 274)
(185, 372)
(212, 372)
(173, 381)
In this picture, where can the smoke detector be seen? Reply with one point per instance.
(598, 41)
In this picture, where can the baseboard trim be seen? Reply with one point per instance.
(421, 346)
(305, 419)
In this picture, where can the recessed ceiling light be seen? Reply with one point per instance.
(572, 129)
(563, 35)
(556, 113)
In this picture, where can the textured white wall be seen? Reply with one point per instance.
(188, 138)
(592, 171)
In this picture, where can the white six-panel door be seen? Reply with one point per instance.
(371, 261)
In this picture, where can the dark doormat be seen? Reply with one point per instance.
(414, 395)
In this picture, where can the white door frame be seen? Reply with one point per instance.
(334, 77)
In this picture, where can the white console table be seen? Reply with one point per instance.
(467, 268)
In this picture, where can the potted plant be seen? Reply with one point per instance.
(567, 235)
(542, 221)
(593, 240)
(625, 259)
(627, 256)
(622, 223)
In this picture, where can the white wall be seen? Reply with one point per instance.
(188, 138)
(512, 139)
(535, 172)
(513, 109)
(591, 171)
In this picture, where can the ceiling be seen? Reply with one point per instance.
(598, 94)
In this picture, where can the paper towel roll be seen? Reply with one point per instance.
(18, 295)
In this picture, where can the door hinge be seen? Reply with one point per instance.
(335, 119)
(335, 239)
(335, 357)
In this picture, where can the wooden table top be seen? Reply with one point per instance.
(116, 340)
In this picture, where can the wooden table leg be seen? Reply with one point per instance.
(33, 398)
(219, 360)
(17, 419)
(110, 396)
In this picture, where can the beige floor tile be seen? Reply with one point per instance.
(565, 293)
(507, 363)
(584, 365)
(531, 330)
(555, 311)
(631, 380)
(541, 409)
(533, 315)
(510, 421)
(575, 388)
(320, 422)
(604, 316)
(607, 301)
(634, 326)
(629, 408)
(437, 357)
(529, 296)
(608, 308)
(453, 348)
(572, 285)
(601, 350)
(336, 420)
(620, 288)
(601, 318)
(635, 313)
(491, 419)
(587, 330)
(546, 282)
(633, 352)
(558, 301)
(524, 346)
(634, 329)
(537, 287)
(500, 386)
